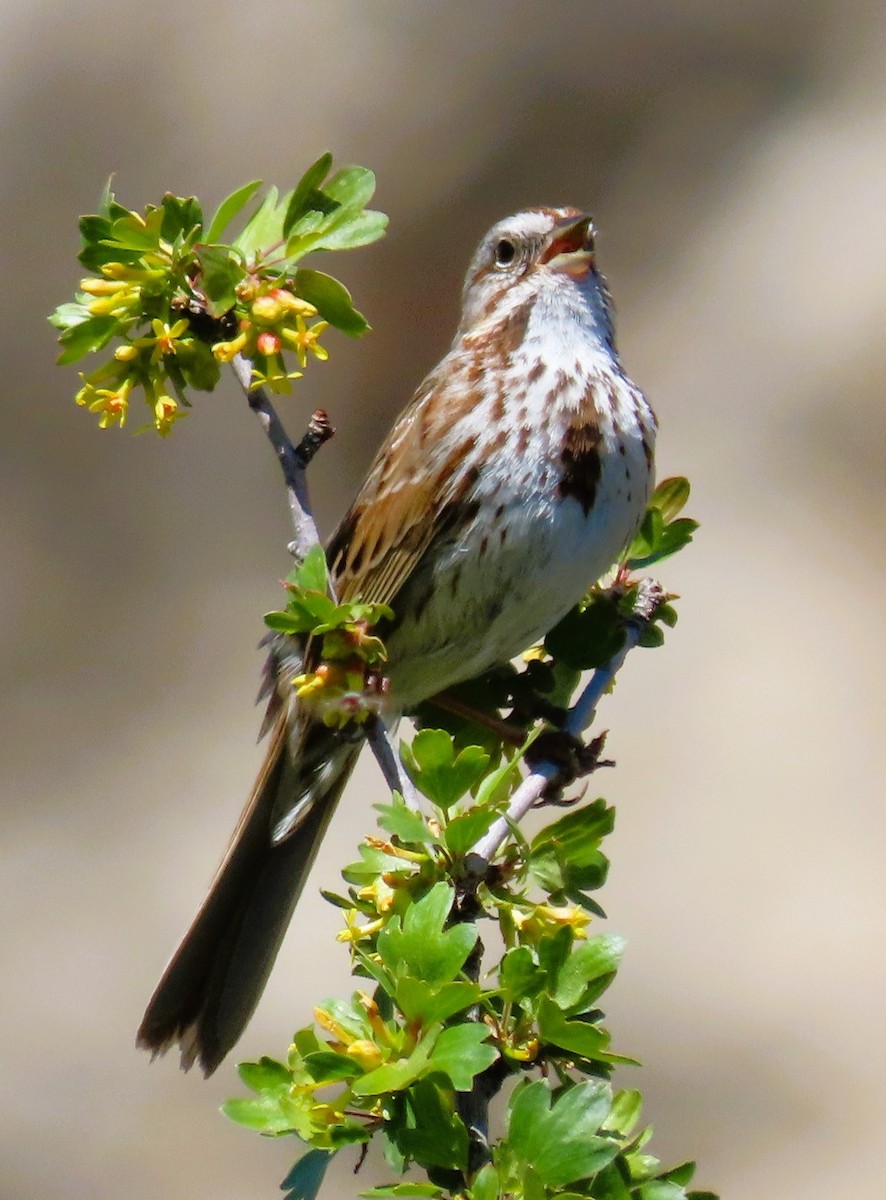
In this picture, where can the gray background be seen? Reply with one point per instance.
(733, 156)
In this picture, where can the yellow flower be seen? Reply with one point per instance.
(112, 404)
(547, 919)
(166, 413)
(165, 339)
(304, 340)
(226, 351)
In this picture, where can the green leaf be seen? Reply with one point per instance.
(306, 191)
(269, 1112)
(560, 1142)
(220, 273)
(229, 208)
(312, 573)
(403, 823)
(265, 1075)
(486, 1184)
(86, 337)
(661, 1189)
(69, 314)
(565, 857)
(352, 187)
(137, 233)
(520, 978)
(624, 1114)
(437, 772)
(467, 828)
(610, 1184)
(264, 228)
(670, 497)
(182, 218)
(461, 1052)
(304, 1180)
(325, 1066)
(594, 959)
(353, 230)
(398, 1074)
(435, 1135)
(420, 945)
(578, 1037)
(590, 636)
(332, 301)
(651, 638)
(422, 1001)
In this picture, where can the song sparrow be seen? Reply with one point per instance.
(513, 479)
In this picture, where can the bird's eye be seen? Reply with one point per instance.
(505, 253)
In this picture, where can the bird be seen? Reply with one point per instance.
(509, 484)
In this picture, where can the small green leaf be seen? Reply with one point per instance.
(325, 1066)
(560, 1142)
(519, 975)
(182, 218)
(590, 636)
(229, 208)
(461, 1052)
(578, 1037)
(404, 823)
(420, 945)
(486, 1184)
(265, 1075)
(670, 497)
(306, 191)
(437, 772)
(465, 830)
(332, 301)
(352, 187)
(435, 1135)
(220, 272)
(304, 1180)
(429, 1004)
(353, 230)
(651, 637)
(596, 958)
(86, 337)
(312, 573)
(624, 1114)
(398, 1074)
(264, 228)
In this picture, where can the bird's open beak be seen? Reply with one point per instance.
(571, 248)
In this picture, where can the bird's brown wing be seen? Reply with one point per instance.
(415, 488)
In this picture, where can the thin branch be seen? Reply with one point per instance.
(293, 459)
(293, 462)
(396, 778)
(649, 596)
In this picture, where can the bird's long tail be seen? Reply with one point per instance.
(216, 977)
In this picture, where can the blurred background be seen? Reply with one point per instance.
(733, 158)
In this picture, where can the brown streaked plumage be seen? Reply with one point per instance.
(507, 486)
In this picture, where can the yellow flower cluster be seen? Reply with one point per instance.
(275, 321)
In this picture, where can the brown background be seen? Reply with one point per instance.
(733, 156)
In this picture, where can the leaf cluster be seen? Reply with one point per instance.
(181, 295)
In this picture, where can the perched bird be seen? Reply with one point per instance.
(510, 483)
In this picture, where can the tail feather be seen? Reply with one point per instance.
(215, 979)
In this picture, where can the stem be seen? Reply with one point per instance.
(649, 596)
(293, 459)
(396, 778)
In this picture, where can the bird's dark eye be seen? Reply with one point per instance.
(505, 253)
